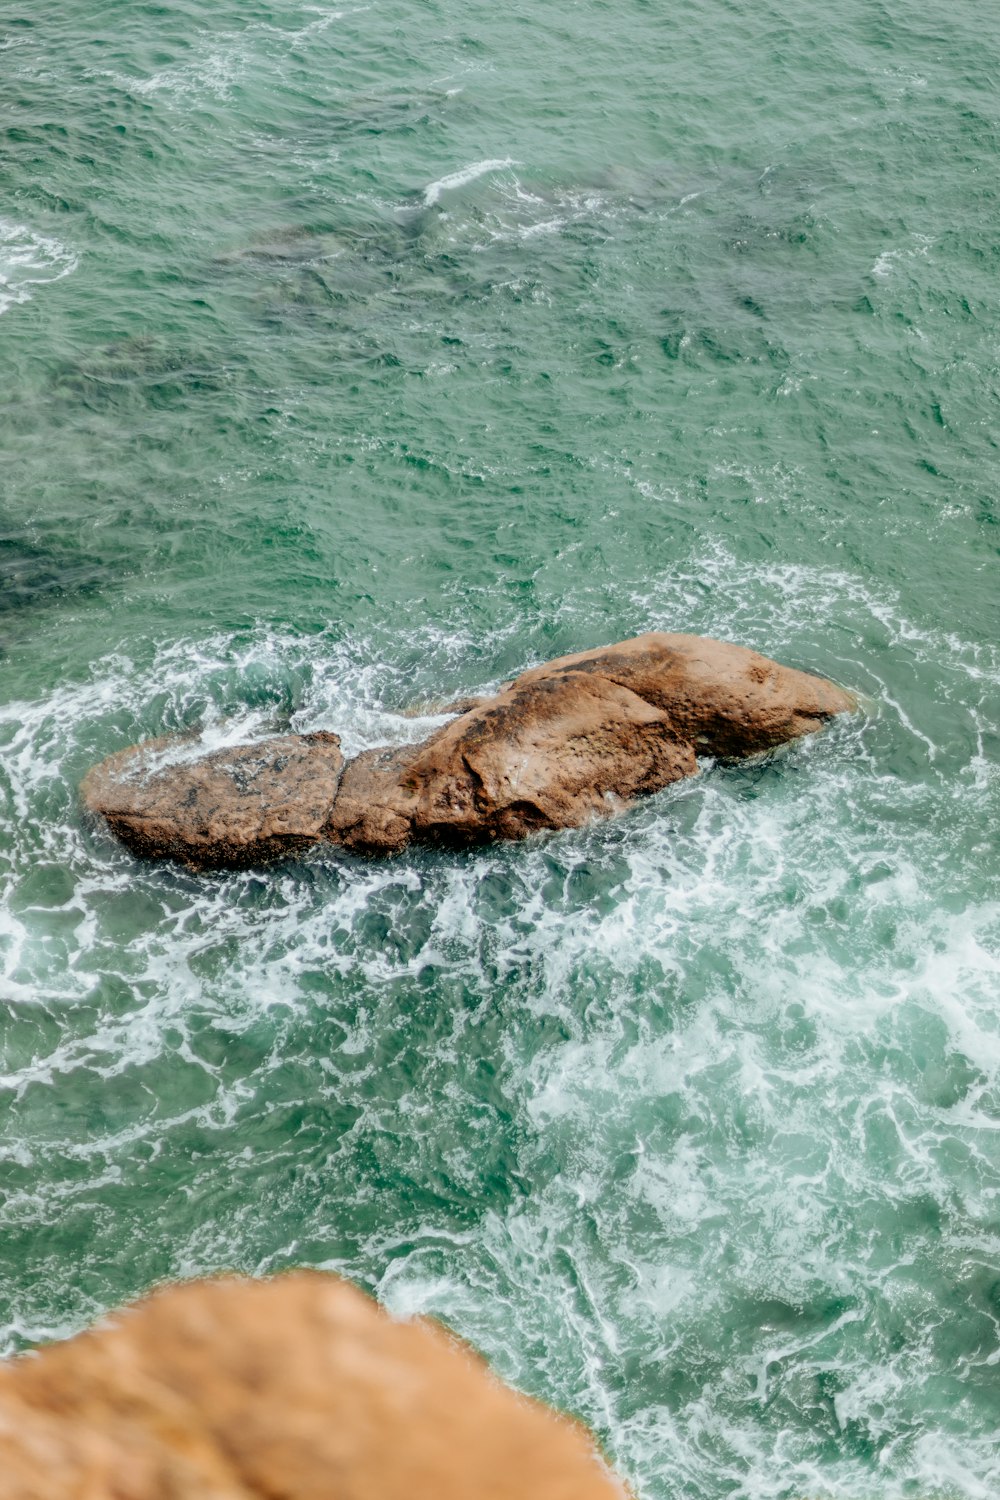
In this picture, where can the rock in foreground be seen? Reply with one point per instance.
(299, 1388)
(573, 740)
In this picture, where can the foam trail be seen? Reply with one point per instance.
(433, 191)
(28, 260)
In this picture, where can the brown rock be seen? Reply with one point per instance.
(233, 808)
(578, 738)
(374, 809)
(299, 1388)
(573, 740)
(726, 700)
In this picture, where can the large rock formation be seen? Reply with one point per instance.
(573, 740)
(299, 1388)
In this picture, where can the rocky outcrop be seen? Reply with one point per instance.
(551, 753)
(298, 1388)
(576, 739)
(573, 740)
(236, 807)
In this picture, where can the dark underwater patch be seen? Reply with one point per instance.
(33, 575)
(144, 370)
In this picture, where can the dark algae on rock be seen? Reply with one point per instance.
(230, 809)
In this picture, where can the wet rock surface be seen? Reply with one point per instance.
(233, 808)
(298, 1388)
(575, 739)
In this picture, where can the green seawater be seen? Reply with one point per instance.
(356, 358)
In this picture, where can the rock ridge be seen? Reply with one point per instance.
(572, 740)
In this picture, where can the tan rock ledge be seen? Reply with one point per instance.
(576, 739)
(297, 1388)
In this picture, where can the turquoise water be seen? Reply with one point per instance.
(356, 359)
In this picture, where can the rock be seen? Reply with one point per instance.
(434, 707)
(297, 1388)
(726, 700)
(233, 808)
(564, 743)
(576, 739)
(374, 810)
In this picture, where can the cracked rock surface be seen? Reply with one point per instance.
(575, 739)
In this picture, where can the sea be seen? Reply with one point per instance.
(356, 358)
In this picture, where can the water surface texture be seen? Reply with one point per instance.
(355, 359)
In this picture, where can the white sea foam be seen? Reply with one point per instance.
(918, 248)
(214, 73)
(521, 215)
(29, 260)
(463, 176)
(226, 56)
